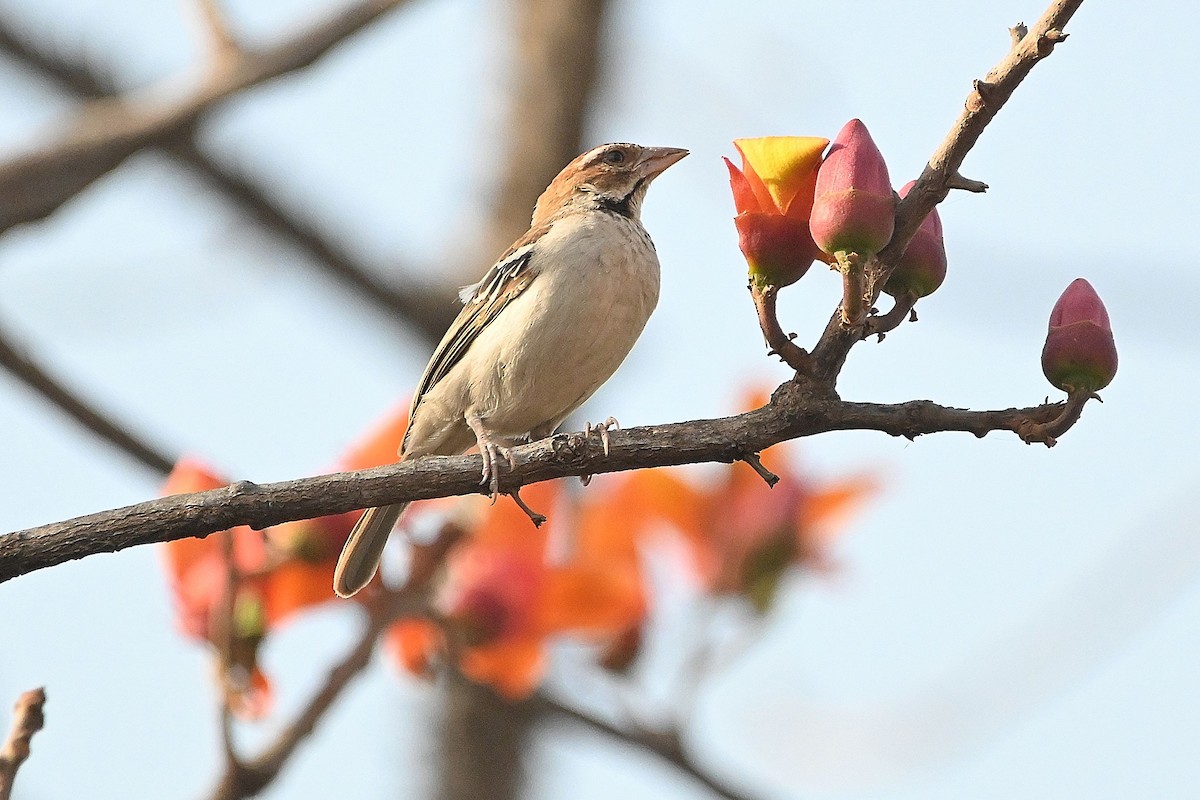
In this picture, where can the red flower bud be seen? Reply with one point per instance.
(854, 210)
(922, 267)
(1080, 353)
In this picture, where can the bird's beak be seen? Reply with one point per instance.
(655, 160)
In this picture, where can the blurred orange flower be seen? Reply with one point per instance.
(505, 596)
(742, 534)
(279, 572)
(199, 574)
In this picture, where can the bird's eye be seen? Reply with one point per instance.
(615, 157)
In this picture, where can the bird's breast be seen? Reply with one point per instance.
(597, 284)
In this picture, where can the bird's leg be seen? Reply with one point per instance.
(537, 519)
(602, 429)
(491, 452)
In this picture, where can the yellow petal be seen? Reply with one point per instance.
(786, 165)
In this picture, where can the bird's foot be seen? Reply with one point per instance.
(537, 519)
(602, 429)
(492, 453)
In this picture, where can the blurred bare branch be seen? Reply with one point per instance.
(108, 130)
(28, 719)
(667, 745)
(218, 38)
(24, 369)
(558, 48)
(427, 309)
(248, 777)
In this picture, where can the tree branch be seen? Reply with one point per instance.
(941, 173)
(28, 719)
(110, 129)
(29, 373)
(427, 310)
(218, 38)
(247, 778)
(666, 745)
(797, 409)
(556, 60)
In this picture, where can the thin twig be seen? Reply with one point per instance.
(797, 409)
(901, 310)
(664, 744)
(537, 519)
(28, 718)
(770, 478)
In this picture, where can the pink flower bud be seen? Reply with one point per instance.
(1080, 353)
(922, 267)
(854, 210)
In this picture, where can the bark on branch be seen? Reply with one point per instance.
(797, 409)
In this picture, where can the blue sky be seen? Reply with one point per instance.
(1011, 621)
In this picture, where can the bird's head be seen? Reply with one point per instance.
(612, 176)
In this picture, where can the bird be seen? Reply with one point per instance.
(544, 328)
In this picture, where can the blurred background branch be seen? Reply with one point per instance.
(426, 310)
(22, 367)
(28, 719)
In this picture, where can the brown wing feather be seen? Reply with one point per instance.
(505, 281)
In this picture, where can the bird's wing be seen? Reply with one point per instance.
(482, 303)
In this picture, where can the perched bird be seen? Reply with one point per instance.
(546, 326)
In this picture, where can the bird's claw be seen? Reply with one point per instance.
(601, 428)
(491, 453)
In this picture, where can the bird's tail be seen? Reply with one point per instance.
(360, 557)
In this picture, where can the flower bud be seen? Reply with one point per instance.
(1080, 353)
(922, 267)
(854, 210)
